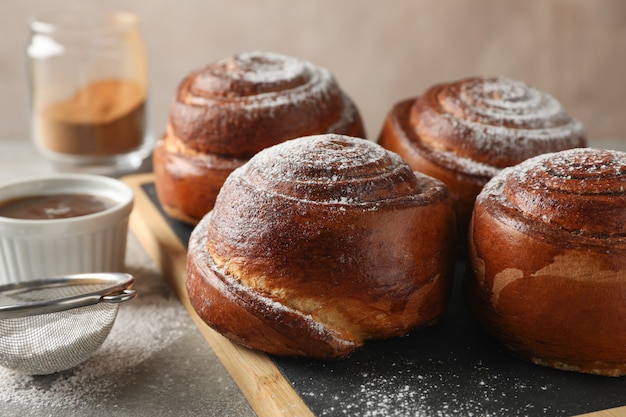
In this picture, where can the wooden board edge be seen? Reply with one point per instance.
(258, 378)
(612, 412)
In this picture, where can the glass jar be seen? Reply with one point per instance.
(87, 76)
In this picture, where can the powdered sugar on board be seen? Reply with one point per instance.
(451, 369)
(404, 390)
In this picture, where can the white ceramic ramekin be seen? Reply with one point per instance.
(31, 249)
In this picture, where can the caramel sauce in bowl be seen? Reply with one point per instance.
(62, 224)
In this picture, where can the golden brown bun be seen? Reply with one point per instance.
(228, 111)
(465, 132)
(320, 243)
(548, 260)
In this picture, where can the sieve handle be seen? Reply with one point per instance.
(117, 289)
(125, 295)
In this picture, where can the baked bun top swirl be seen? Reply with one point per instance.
(580, 192)
(333, 170)
(465, 132)
(229, 110)
(480, 125)
(320, 243)
(247, 102)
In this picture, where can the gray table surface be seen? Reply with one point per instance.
(154, 362)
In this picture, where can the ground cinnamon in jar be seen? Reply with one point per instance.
(103, 118)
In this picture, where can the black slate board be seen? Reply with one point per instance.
(450, 369)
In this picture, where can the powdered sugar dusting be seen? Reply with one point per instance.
(405, 391)
(578, 171)
(347, 118)
(494, 121)
(468, 165)
(265, 67)
(579, 192)
(333, 157)
(262, 80)
(510, 102)
(321, 87)
(506, 102)
(143, 327)
(583, 163)
(331, 169)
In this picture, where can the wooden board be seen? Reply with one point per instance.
(265, 388)
(452, 368)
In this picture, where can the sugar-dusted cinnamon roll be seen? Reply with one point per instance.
(226, 112)
(465, 132)
(320, 243)
(548, 260)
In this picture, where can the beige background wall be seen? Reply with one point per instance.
(380, 51)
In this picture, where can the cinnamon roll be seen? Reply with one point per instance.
(548, 260)
(320, 243)
(231, 109)
(465, 132)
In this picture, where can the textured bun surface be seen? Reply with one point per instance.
(231, 109)
(548, 259)
(465, 132)
(320, 243)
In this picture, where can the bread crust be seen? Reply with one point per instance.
(548, 260)
(336, 243)
(226, 112)
(464, 132)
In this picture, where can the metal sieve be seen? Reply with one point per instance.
(53, 324)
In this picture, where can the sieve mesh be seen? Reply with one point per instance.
(59, 322)
(53, 342)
